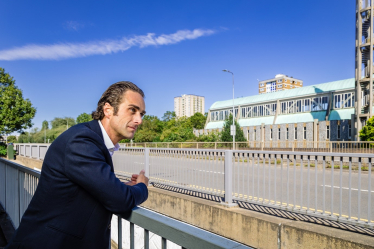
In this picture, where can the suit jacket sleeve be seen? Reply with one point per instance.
(86, 166)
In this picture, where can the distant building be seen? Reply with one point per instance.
(319, 113)
(281, 82)
(188, 104)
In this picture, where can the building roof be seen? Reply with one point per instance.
(339, 85)
(215, 125)
(341, 114)
(301, 117)
(256, 121)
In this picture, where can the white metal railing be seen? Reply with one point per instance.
(36, 151)
(18, 185)
(310, 146)
(335, 186)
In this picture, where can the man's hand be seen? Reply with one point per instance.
(142, 178)
(135, 179)
(132, 182)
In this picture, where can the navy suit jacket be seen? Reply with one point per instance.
(76, 195)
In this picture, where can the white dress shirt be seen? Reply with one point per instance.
(108, 142)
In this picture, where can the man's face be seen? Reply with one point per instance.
(128, 118)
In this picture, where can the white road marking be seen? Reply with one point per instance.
(363, 190)
(211, 172)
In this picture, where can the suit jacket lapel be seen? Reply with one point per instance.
(94, 125)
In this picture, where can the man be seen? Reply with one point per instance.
(78, 191)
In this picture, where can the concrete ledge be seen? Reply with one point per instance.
(28, 162)
(252, 228)
(298, 234)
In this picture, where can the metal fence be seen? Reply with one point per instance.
(335, 186)
(310, 146)
(36, 151)
(18, 185)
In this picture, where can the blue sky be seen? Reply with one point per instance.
(64, 54)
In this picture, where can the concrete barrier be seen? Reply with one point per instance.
(252, 228)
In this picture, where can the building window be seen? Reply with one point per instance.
(280, 80)
(337, 103)
(327, 131)
(349, 131)
(262, 89)
(262, 84)
(339, 131)
(304, 133)
(295, 133)
(285, 80)
(286, 133)
(279, 133)
(271, 134)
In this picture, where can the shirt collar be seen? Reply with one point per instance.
(108, 142)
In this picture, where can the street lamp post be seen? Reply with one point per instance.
(233, 127)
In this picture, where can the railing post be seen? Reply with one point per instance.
(228, 179)
(119, 232)
(146, 162)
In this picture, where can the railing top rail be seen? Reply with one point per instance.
(178, 232)
(272, 152)
(177, 149)
(295, 141)
(32, 144)
(21, 168)
(306, 153)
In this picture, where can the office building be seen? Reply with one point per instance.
(188, 104)
(280, 82)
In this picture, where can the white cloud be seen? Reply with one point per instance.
(73, 25)
(74, 50)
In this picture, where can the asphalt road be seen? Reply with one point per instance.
(291, 186)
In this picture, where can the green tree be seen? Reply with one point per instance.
(12, 139)
(23, 138)
(225, 135)
(168, 116)
(45, 125)
(213, 136)
(3, 149)
(198, 120)
(63, 122)
(178, 130)
(367, 132)
(150, 130)
(84, 117)
(16, 112)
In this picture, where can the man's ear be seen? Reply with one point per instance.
(108, 110)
